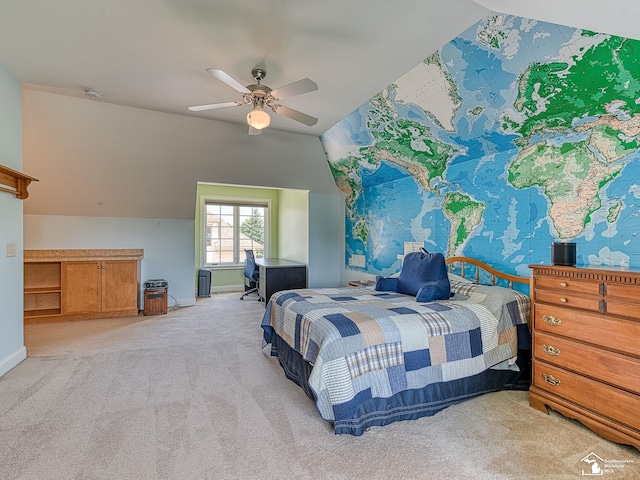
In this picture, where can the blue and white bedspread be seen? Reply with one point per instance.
(365, 344)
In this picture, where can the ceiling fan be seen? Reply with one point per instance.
(260, 96)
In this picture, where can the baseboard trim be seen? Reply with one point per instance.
(227, 288)
(186, 302)
(12, 360)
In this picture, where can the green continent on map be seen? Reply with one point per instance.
(345, 171)
(614, 212)
(599, 87)
(381, 112)
(465, 214)
(614, 138)
(570, 176)
(553, 95)
(411, 146)
(360, 230)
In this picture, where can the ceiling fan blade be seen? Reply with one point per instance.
(254, 131)
(228, 79)
(296, 88)
(211, 106)
(294, 115)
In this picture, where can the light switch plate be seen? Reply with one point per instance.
(10, 249)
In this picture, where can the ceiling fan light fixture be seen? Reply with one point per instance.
(260, 96)
(258, 118)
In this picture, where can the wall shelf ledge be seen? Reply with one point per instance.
(15, 182)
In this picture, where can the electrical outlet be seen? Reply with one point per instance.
(412, 247)
(357, 261)
(10, 250)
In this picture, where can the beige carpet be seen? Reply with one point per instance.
(191, 395)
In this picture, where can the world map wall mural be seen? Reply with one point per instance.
(514, 135)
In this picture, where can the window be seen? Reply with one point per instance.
(232, 228)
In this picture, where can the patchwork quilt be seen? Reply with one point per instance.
(364, 344)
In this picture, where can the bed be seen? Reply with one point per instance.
(370, 358)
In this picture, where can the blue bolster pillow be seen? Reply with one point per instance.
(424, 275)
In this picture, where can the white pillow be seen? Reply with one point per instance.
(457, 278)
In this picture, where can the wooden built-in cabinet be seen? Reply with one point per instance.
(586, 347)
(81, 284)
(99, 286)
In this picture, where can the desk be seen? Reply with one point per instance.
(278, 274)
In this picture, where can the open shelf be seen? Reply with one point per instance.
(34, 291)
(42, 289)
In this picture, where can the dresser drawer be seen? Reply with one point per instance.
(602, 399)
(571, 300)
(618, 334)
(629, 292)
(560, 284)
(624, 308)
(618, 370)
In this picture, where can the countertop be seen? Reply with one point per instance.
(70, 255)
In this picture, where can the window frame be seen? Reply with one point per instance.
(236, 202)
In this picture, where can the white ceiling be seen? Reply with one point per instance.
(153, 54)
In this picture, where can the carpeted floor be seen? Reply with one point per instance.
(192, 395)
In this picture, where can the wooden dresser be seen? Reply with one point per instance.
(586, 347)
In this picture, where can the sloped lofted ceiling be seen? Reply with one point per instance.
(615, 18)
(153, 55)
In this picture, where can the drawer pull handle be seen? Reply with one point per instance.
(550, 379)
(563, 300)
(563, 285)
(551, 320)
(551, 350)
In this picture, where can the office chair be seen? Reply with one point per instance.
(251, 275)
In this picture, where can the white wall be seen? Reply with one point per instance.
(312, 232)
(97, 160)
(12, 350)
(168, 244)
(293, 233)
(326, 240)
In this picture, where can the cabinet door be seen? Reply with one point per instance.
(119, 285)
(81, 287)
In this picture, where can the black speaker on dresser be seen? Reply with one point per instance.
(563, 253)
